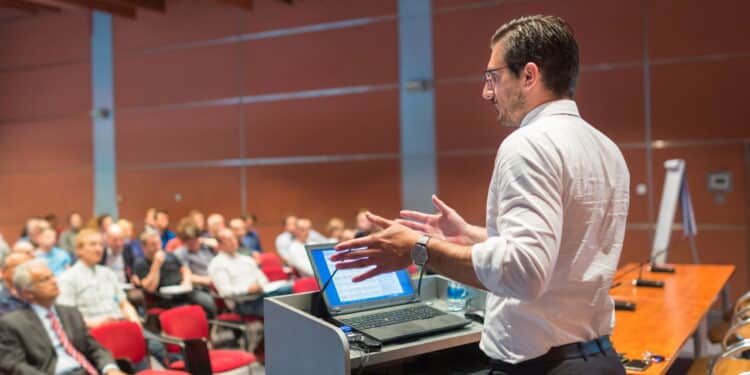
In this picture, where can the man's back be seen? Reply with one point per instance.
(559, 197)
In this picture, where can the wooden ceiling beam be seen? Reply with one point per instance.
(244, 4)
(155, 5)
(114, 8)
(26, 6)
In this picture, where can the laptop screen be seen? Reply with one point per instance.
(343, 292)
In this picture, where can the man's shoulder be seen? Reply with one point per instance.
(15, 317)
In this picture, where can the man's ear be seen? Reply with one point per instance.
(531, 75)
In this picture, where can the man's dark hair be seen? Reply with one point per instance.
(547, 41)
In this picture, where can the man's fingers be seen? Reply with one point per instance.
(440, 205)
(413, 225)
(379, 220)
(357, 263)
(354, 254)
(415, 215)
(365, 241)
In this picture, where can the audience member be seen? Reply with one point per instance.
(127, 230)
(157, 269)
(67, 237)
(149, 221)
(33, 229)
(103, 222)
(9, 299)
(95, 289)
(193, 254)
(45, 337)
(297, 256)
(251, 240)
(57, 259)
(162, 225)
(114, 256)
(334, 229)
(199, 220)
(237, 226)
(23, 246)
(4, 248)
(284, 240)
(237, 275)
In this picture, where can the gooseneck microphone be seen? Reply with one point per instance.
(640, 281)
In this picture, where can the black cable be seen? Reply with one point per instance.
(419, 283)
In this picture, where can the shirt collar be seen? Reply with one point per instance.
(555, 107)
(42, 311)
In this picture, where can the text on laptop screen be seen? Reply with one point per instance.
(342, 291)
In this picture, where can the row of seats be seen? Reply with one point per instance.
(734, 335)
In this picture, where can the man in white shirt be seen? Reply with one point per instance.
(297, 256)
(556, 214)
(236, 276)
(113, 253)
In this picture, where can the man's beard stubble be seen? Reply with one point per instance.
(511, 108)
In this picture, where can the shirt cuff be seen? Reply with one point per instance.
(486, 259)
(108, 367)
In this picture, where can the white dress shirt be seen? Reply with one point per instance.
(234, 274)
(556, 212)
(299, 260)
(95, 291)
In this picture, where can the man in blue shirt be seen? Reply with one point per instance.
(58, 259)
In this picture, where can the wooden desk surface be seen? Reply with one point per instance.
(664, 318)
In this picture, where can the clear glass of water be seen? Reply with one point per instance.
(457, 295)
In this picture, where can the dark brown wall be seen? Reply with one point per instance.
(171, 139)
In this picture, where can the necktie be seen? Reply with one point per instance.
(80, 358)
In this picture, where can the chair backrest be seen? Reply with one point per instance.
(305, 284)
(730, 362)
(274, 273)
(123, 338)
(184, 322)
(270, 259)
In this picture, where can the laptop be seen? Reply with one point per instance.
(384, 307)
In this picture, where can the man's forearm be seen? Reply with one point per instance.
(452, 261)
(151, 281)
(475, 234)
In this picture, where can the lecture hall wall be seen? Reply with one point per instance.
(181, 127)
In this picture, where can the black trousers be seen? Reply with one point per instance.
(602, 363)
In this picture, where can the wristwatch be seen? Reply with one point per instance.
(419, 254)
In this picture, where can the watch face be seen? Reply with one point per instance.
(419, 254)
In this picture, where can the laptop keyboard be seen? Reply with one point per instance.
(392, 317)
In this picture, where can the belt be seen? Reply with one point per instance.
(561, 353)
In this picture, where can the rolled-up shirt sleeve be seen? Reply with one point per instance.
(517, 261)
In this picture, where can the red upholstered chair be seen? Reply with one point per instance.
(125, 340)
(305, 284)
(190, 326)
(270, 259)
(274, 272)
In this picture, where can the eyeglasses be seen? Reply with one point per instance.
(491, 77)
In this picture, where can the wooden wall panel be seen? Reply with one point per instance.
(462, 38)
(274, 14)
(695, 100)
(690, 28)
(612, 101)
(60, 145)
(463, 182)
(36, 194)
(347, 124)
(207, 189)
(700, 161)
(177, 76)
(178, 135)
(334, 58)
(45, 39)
(321, 191)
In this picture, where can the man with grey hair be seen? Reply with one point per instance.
(47, 338)
(113, 256)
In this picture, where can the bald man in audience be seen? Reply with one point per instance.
(113, 256)
(9, 299)
(23, 246)
(46, 338)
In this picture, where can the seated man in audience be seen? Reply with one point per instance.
(113, 256)
(236, 275)
(162, 224)
(193, 254)
(46, 338)
(9, 299)
(251, 239)
(297, 257)
(285, 238)
(23, 246)
(67, 237)
(237, 226)
(159, 269)
(94, 289)
(58, 259)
